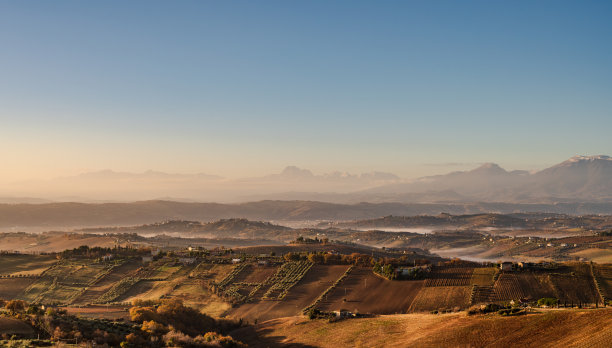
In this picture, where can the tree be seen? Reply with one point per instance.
(15, 306)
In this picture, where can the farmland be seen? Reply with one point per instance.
(515, 286)
(18, 264)
(304, 293)
(365, 292)
(442, 298)
(573, 283)
(483, 276)
(450, 276)
(603, 274)
(546, 329)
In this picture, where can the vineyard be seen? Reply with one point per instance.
(603, 275)
(62, 283)
(484, 276)
(285, 278)
(574, 283)
(449, 276)
(524, 285)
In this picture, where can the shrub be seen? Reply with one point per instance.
(547, 301)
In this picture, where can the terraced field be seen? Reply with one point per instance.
(93, 292)
(64, 282)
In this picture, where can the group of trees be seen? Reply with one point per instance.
(316, 240)
(171, 323)
(85, 251)
(168, 323)
(356, 259)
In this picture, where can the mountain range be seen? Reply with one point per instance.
(577, 180)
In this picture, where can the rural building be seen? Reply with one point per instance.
(526, 265)
(263, 263)
(506, 266)
(343, 313)
(187, 260)
(155, 252)
(236, 261)
(108, 257)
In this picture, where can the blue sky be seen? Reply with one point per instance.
(242, 88)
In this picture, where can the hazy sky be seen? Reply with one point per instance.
(242, 88)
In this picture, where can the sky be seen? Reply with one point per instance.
(245, 88)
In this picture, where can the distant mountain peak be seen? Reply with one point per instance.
(491, 168)
(582, 158)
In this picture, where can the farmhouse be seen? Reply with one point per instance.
(187, 260)
(343, 313)
(526, 265)
(506, 266)
(108, 257)
(234, 261)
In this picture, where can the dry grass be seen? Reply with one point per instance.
(551, 329)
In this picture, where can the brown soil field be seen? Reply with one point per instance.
(557, 328)
(12, 326)
(10, 288)
(15, 264)
(574, 283)
(255, 274)
(449, 276)
(442, 298)
(304, 293)
(366, 292)
(529, 285)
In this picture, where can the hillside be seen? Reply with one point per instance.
(523, 221)
(73, 215)
(558, 328)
